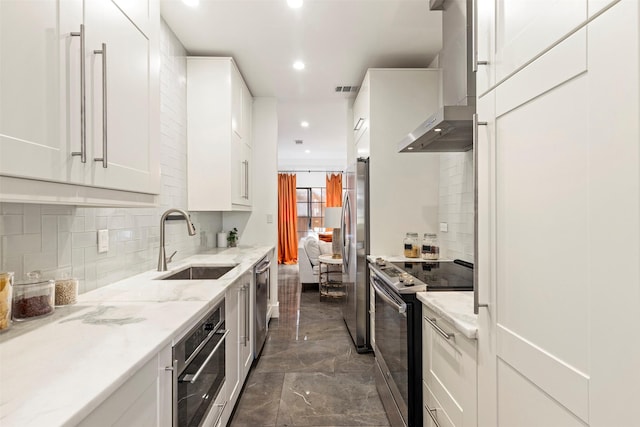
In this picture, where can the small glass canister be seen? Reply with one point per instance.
(33, 298)
(430, 246)
(66, 291)
(411, 246)
(6, 291)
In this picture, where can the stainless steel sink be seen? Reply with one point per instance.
(200, 273)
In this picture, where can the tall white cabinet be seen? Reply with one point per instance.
(559, 217)
(47, 133)
(219, 123)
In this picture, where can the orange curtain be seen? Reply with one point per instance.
(334, 190)
(287, 220)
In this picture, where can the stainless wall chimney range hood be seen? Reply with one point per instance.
(451, 127)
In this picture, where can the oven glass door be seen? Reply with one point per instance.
(391, 342)
(201, 381)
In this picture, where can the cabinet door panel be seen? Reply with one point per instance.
(485, 32)
(522, 404)
(525, 28)
(138, 11)
(542, 190)
(40, 89)
(129, 95)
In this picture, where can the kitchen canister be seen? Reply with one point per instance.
(6, 288)
(222, 239)
(33, 298)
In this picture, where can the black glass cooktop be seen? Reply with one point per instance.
(441, 276)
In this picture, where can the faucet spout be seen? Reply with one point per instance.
(191, 229)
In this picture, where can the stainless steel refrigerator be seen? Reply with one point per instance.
(355, 248)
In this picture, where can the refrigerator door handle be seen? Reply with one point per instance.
(346, 210)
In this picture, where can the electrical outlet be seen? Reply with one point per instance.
(103, 241)
(444, 227)
(269, 218)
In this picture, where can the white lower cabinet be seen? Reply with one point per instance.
(143, 401)
(449, 367)
(239, 350)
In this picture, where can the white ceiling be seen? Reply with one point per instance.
(337, 39)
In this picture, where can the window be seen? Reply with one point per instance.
(311, 203)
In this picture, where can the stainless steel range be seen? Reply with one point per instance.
(398, 329)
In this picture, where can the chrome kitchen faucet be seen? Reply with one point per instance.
(162, 258)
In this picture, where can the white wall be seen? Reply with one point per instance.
(403, 187)
(456, 205)
(63, 238)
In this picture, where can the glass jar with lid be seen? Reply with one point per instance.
(6, 290)
(33, 298)
(430, 246)
(411, 246)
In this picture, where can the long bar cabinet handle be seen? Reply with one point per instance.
(430, 412)
(476, 275)
(438, 329)
(474, 36)
(103, 52)
(83, 99)
(247, 323)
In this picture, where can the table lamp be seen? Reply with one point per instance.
(333, 219)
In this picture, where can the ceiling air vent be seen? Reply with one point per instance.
(346, 89)
(298, 141)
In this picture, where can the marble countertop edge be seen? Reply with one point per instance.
(454, 307)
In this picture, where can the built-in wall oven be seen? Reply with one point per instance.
(398, 329)
(199, 371)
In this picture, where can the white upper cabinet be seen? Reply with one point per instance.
(219, 136)
(40, 90)
(511, 33)
(486, 47)
(53, 106)
(131, 148)
(361, 115)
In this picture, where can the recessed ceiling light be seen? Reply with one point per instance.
(307, 151)
(192, 3)
(409, 148)
(294, 4)
(298, 65)
(437, 130)
(304, 124)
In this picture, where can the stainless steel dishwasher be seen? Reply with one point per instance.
(263, 282)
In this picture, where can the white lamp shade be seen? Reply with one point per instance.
(332, 217)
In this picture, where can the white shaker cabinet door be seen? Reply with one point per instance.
(40, 89)
(127, 75)
(524, 29)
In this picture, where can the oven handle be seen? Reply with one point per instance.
(197, 374)
(402, 308)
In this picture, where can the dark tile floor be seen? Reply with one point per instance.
(309, 373)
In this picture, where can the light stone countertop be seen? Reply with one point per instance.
(455, 307)
(56, 370)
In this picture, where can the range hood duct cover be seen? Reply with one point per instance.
(451, 127)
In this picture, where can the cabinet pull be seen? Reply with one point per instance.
(246, 314)
(476, 304)
(438, 329)
(221, 406)
(103, 52)
(474, 36)
(431, 414)
(83, 106)
(246, 179)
